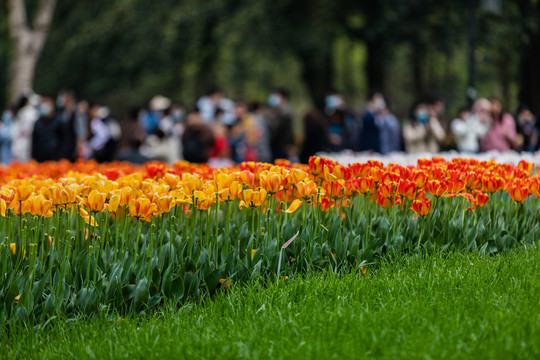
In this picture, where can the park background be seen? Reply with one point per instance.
(125, 51)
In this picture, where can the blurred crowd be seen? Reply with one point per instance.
(221, 131)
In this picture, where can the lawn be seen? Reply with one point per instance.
(458, 305)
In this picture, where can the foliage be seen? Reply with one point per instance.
(125, 51)
(77, 241)
(447, 305)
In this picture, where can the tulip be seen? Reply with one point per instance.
(294, 206)
(39, 206)
(253, 199)
(95, 201)
(421, 207)
(142, 209)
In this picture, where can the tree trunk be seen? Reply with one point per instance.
(317, 75)
(28, 43)
(375, 65)
(530, 75)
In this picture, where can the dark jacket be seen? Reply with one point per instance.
(46, 139)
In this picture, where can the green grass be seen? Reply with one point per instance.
(452, 305)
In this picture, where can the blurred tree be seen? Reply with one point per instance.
(124, 51)
(28, 41)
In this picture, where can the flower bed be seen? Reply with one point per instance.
(83, 238)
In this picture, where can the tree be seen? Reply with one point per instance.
(28, 42)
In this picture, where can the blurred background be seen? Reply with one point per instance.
(124, 52)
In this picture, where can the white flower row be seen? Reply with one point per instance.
(510, 157)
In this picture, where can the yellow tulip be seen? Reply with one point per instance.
(253, 199)
(142, 209)
(294, 206)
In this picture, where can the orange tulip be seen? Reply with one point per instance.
(297, 175)
(479, 200)
(437, 188)
(165, 204)
(492, 184)
(387, 202)
(171, 180)
(294, 206)
(39, 206)
(421, 207)
(203, 200)
(113, 204)
(253, 199)
(316, 165)
(246, 177)
(328, 174)
(271, 182)
(518, 192)
(306, 189)
(23, 191)
(525, 166)
(3, 207)
(406, 189)
(7, 194)
(455, 186)
(142, 209)
(365, 184)
(95, 201)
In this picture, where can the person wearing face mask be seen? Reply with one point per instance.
(527, 129)
(27, 111)
(279, 122)
(469, 127)
(422, 133)
(46, 134)
(66, 114)
(342, 123)
(369, 139)
(5, 134)
(501, 135)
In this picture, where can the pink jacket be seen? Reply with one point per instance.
(501, 135)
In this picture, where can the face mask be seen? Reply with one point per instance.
(178, 115)
(44, 109)
(421, 115)
(332, 101)
(274, 100)
(379, 103)
(60, 102)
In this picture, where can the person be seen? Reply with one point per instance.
(81, 129)
(501, 135)
(47, 133)
(133, 136)
(27, 114)
(468, 128)
(342, 122)
(197, 139)
(261, 132)
(100, 135)
(178, 117)
(151, 116)
(220, 150)
(213, 100)
(161, 144)
(527, 129)
(7, 119)
(369, 138)
(436, 108)
(66, 113)
(279, 122)
(315, 135)
(422, 133)
(389, 131)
